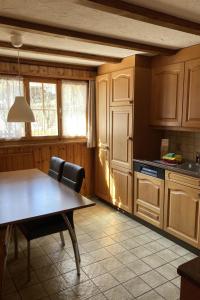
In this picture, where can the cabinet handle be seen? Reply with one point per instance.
(130, 101)
(130, 173)
(129, 138)
(106, 147)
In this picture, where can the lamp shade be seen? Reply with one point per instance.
(20, 111)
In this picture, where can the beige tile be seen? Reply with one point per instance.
(154, 246)
(177, 281)
(115, 248)
(177, 262)
(72, 278)
(55, 285)
(65, 295)
(152, 295)
(136, 286)
(22, 280)
(179, 250)
(126, 257)
(168, 271)
(141, 251)
(86, 289)
(153, 278)
(101, 254)
(94, 270)
(123, 274)
(118, 293)
(66, 266)
(105, 282)
(11, 296)
(111, 263)
(43, 261)
(167, 255)
(47, 272)
(33, 292)
(98, 297)
(59, 256)
(154, 261)
(129, 244)
(168, 291)
(139, 267)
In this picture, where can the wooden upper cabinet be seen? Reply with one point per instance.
(167, 95)
(121, 136)
(149, 198)
(191, 104)
(102, 107)
(181, 212)
(122, 87)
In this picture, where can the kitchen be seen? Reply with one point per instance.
(113, 91)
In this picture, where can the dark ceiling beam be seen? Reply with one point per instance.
(89, 37)
(147, 15)
(66, 53)
(45, 63)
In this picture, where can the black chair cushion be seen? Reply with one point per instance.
(56, 167)
(72, 176)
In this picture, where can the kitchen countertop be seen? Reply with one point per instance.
(191, 270)
(166, 166)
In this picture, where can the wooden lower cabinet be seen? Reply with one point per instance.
(148, 198)
(102, 174)
(121, 188)
(181, 212)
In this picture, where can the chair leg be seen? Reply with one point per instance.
(15, 242)
(62, 238)
(74, 242)
(29, 260)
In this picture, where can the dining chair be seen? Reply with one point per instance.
(73, 178)
(56, 167)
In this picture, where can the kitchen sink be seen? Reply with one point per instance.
(190, 166)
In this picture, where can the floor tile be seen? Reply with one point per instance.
(86, 289)
(71, 278)
(139, 267)
(168, 291)
(141, 251)
(55, 285)
(123, 274)
(152, 295)
(179, 250)
(94, 270)
(167, 255)
(153, 278)
(168, 271)
(47, 272)
(118, 293)
(98, 297)
(136, 286)
(177, 281)
(115, 248)
(105, 282)
(33, 292)
(154, 261)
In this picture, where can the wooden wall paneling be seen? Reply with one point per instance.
(37, 157)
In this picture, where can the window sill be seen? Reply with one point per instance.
(41, 141)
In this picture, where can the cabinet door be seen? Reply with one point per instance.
(102, 109)
(121, 188)
(148, 198)
(167, 95)
(121, 136)
(181, 212)
(122, 87)
(191, 104)
(102, 174)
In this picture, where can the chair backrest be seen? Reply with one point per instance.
(72, 176)
(56, 167)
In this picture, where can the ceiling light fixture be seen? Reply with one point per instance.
(20, 111)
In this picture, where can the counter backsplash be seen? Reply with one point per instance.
(185, 143)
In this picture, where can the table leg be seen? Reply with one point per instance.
(74, 242)
(5, 233)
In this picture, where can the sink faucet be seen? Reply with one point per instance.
(197, 157)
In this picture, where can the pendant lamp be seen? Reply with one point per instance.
(20, 111)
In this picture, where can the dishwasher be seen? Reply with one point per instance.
(149, 193)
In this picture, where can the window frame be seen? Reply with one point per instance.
(54, 138)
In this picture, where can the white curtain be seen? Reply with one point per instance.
(74, 100)
(9, 88)
(91, 116)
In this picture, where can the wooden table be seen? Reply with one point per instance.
(31, 194)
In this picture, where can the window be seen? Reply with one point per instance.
(74, 99)
(9, 89)
(59, 107)
(43, 102)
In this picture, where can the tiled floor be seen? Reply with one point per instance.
(120, 260)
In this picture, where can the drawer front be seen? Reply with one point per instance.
(183, 179)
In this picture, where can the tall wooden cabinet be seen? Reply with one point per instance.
(123, 106)
(102, 182)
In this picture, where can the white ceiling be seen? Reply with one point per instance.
(74, 14)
